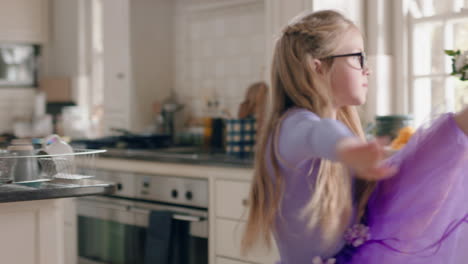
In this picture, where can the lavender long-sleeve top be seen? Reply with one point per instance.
(304, 139)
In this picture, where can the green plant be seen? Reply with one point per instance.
(459, 63)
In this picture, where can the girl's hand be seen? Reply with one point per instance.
(364, 158)
(461, 118)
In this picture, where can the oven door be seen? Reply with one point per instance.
(113, 230)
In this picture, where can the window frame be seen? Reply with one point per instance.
(409, 77)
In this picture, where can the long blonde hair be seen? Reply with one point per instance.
(295, 83)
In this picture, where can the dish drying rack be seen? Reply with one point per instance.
(50, 166)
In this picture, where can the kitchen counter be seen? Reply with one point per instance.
(180, 155)
(33, 218)
(56, 188)
(176, 169)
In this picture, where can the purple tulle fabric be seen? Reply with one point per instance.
(420, 216)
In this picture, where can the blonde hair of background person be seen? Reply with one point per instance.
(301, 77)
(255, 102)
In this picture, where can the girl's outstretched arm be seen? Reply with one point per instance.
(364, 157)
(303, 135)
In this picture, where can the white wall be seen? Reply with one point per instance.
(15, 103)
(206, 59)
(21, 22)
(220, 50)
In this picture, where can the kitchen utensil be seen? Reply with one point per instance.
(25, 166)
(61, 159)
(217, 135)
(169, 109)
(240, 137)
(132, 140)
(6, 167)
(388, 126)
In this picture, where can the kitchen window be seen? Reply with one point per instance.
(434, 26)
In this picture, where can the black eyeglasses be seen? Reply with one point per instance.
(362, 58)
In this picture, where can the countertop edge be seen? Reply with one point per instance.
(15, 193)
(174, 169)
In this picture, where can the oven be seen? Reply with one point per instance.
(114, 229)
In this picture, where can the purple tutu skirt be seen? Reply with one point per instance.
(420, 216)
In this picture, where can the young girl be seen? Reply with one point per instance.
(315, 175)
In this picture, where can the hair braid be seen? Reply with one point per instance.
(298, 29)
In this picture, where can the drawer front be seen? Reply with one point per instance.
(228, 261)
(228, 237)
(232, 199)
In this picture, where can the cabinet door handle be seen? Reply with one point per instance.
(245, 202)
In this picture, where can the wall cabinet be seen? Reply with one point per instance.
(137, 60)
(117, 77)
(24, 21)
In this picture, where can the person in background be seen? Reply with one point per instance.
(322, 191)
(254, 103)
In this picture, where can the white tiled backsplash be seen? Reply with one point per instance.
(15, 103)
(219, 53)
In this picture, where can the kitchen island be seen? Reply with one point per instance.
(32, 218)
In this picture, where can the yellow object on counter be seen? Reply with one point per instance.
(208, 130)
(403, 137)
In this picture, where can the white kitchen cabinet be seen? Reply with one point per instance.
(24, 21)
(137, 39)
(31, 232)
(231, 210)
(70, 230)
(232, 199)
(117, 81)
(228, 239)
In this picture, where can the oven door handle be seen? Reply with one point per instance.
(188, 218)
(180, 217)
